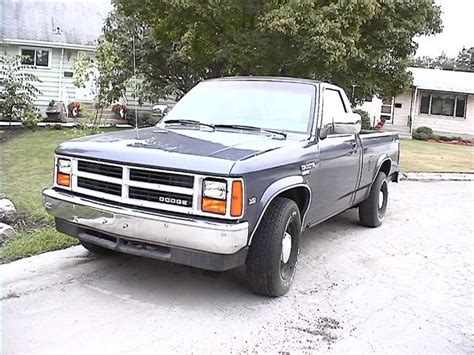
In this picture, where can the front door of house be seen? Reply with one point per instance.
(88, 92)
(386, 110)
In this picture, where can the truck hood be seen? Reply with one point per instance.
(187, 149)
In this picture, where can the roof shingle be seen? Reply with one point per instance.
(79, 22)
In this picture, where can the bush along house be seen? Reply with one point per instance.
(442, 100)
(49, 36)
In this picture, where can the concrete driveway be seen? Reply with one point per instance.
(406, 286)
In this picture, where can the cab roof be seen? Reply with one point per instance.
(286, 79)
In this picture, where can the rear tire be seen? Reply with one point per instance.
(273, 254)
(96, 249)
(372, 211)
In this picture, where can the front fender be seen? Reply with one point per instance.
(273, 191)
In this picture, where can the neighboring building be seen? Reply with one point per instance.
(440, 99)
(51, 34)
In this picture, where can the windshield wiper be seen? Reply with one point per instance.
(250, 128)
(189, 122)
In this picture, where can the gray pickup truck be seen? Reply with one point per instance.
(233, 175)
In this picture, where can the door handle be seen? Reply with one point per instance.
(354, 147)
(354, 144)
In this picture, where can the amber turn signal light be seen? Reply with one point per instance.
(63, 179)
(213, 205)
(236, 204)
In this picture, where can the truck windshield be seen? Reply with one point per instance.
(283, 106)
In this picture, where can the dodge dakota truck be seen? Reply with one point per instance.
(233, 175)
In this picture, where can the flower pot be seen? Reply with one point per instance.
(53, 116)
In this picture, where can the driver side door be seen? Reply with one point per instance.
(334, 180)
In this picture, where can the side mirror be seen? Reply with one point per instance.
(325, 131)
(351, 124)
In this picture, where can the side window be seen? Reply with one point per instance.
(333, 106)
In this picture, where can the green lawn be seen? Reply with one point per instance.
(420, 156)
(27, 169)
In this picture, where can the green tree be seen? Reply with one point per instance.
(17, 94)
(363, 43)
(462, 62)
(99, 69)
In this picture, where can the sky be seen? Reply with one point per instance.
(458, 17)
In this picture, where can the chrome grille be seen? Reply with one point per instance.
(156, 177)
(100, 186)
(151, 188)
(159, 196)
(101, 169)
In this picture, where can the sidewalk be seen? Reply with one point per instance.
(437, 176)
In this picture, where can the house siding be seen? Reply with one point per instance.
(444, 124)
(52, 79)
(439, 124)
(401, 116)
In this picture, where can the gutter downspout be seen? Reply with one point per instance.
(413, 110)
(60, 79)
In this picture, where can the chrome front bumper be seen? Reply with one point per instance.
(140, 226)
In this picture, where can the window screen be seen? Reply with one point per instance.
(442, 105)
(460, 107)
(28, 56)
(42, 58)
(425, 103)
(37, 57)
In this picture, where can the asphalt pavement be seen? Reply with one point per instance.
(407, 286)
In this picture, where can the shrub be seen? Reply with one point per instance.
(54, 127)
(52, 107)
(423, 133)
(144, 120)
(18, 92)
(30, 119)
(366, 122)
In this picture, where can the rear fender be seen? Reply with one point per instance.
(381, 160)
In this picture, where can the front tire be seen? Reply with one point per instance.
(273, 254)
(372, 211)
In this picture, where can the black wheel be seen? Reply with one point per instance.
(372, 210)
(273, 254)
(96, 249)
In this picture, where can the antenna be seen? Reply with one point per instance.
(135, 86)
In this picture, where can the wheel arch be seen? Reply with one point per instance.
(385, 167)
(293, 188)
(384, 164)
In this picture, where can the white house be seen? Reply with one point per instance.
(440, 99)
(51, 34)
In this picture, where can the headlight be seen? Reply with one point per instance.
(63, 172)
(214, 194)
(64, 166)
(214, 189)
(214, 197)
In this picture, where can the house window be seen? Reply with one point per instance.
(36, 57)
(441, 104)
